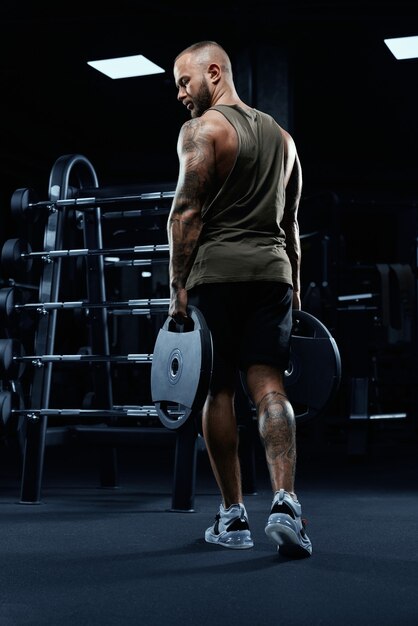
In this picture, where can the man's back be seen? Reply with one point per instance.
(244, 216)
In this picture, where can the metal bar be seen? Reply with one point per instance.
(83, 358)
(83, 304)
(99, 336)
(115, 215)
(134, 412)
(387, 416)
(52, 254)
(94, 201)
(115, 262)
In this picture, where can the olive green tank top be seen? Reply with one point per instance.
(241, 238)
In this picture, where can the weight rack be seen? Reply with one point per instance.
(72, 181)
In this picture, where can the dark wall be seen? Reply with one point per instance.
(321, 68)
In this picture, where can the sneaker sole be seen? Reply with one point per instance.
(287, 540)
(239, 540)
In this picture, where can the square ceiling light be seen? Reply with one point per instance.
(403, 47)
(126, 67)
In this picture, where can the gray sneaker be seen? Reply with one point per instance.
(231, 528)
(286, 528)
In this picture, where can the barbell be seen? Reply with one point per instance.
(18, 249)
(143, 306)
(25, 199)
(121, 412)
(13, 358)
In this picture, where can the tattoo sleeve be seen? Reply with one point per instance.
(184, 226)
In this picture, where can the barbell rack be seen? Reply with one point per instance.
(73, 188)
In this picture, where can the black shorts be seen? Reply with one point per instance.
(250, 322)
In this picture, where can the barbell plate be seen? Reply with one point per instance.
(313, 374)
(7, 303)
(21, 204)
(11, 350)
(5, 406)
(181, 369)
(6, 356)
(314, 371)
(12, 262)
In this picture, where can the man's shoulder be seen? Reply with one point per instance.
(216, 118)
(209, 125)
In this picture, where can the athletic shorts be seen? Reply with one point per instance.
(250, 323)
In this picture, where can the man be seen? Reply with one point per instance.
(235, 252)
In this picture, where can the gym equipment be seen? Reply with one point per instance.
(79, 171)
(74, 175)
(7, 303)
(103, 414)
(13, 251)
(25, 199)
(181, 369)
(21, 203)
(5, 406)
(17, 254)
(182, 364)
(313, 375)
(8, 307)
(8, 358)
(12, 355)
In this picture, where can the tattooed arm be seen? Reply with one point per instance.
(196, 155)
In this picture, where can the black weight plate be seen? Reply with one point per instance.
(20, 205)
(10, 351)
(7, 302)
(12, 263)
(5, 406)
(314, 372)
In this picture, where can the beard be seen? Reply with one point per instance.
(203, 100)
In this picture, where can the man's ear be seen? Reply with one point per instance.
(214, 71)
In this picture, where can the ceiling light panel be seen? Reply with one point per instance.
(403, 47)
(126, 67)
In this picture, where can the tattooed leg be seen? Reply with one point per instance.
(276, 425)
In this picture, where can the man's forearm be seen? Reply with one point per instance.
(183, 229)
(290, 222)
(294, 254)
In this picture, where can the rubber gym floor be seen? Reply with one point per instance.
(86, 555)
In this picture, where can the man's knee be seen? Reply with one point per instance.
(264, 380)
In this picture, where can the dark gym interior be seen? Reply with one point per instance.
(104, 505)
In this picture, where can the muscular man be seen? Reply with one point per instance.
(235, 253)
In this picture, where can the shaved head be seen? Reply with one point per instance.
(203, 77)
(206, 52)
